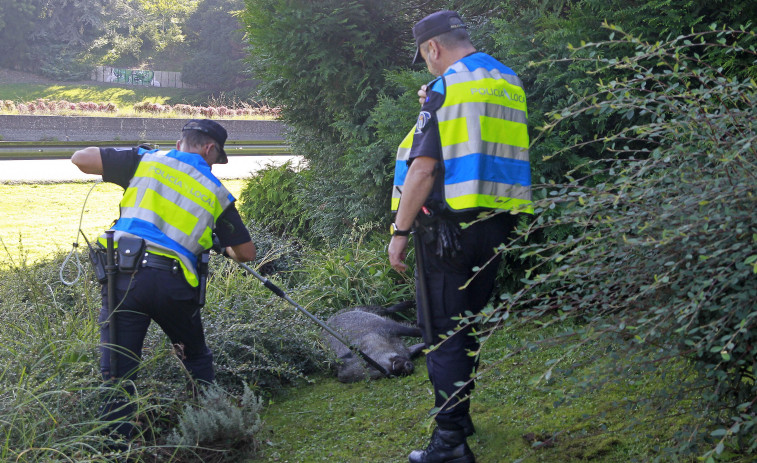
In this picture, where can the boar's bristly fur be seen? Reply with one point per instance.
(368, 329)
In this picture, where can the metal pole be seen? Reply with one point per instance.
(420, 269)
(276, 290)
(111, 272)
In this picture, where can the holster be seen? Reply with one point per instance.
(443, 231)
(130, 252)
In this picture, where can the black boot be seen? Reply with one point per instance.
(468, 427)
(447, 446)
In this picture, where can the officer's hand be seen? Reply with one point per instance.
(422, 94)
(398, 252)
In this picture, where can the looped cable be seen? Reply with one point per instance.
(76, 260)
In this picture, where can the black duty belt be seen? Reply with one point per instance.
(160, 262)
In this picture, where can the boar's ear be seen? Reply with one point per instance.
(401, 366)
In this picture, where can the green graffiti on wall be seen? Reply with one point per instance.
(132, 77)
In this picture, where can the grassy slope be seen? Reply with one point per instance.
(378, 421)
(382, 421)
(122, 96)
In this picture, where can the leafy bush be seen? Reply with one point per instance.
(663, 244)
(324, 64)
(355, 272)
(49, 381)
(273, 199)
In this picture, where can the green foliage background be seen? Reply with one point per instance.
(65, 39)
(642, 154)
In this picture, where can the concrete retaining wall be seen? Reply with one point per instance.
(75, 128)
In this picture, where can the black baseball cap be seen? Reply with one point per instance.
(433, 25)
(214, 130)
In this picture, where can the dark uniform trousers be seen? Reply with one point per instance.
(163, 296)
(149, 294)
(450, 363)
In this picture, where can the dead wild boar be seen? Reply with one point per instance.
(368, 329)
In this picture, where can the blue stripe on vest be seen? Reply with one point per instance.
(478, 166)
(400, 172)
(152, 233)
(482, 60)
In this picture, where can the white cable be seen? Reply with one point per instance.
(77, 261)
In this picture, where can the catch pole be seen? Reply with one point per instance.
(279, 292)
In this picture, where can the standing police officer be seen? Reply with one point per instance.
(468, 153)
(171, 207)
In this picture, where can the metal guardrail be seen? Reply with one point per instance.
(31, 150)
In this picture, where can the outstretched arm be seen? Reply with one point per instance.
(88, 160)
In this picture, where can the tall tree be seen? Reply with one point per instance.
(17, 22)
(215, 45)
(324, 63)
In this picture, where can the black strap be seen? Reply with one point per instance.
(159, 262)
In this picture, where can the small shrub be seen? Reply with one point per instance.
(219, 422)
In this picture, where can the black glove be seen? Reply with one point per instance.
(217, 248)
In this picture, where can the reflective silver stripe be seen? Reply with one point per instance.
(189, 242)
(403, 154)
(220, 191)
(493, 149)
(483, 187)
(471, 112)
(458, 67)
(462, 74)
(205, 219)
(476, 109)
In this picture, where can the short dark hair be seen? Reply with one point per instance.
(455, 37)
(196, 139)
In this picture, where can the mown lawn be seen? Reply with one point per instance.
(39, 220)
(517, 418)
(122, 96)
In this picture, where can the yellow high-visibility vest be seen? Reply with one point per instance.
(173, 202)
(483, 136)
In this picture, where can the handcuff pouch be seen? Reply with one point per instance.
(130, 250)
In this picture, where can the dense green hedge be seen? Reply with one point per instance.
(662, 250)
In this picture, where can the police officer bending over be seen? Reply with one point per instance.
(171, 207)
(468, 153)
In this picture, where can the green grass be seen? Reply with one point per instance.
(382, 421)
(40, 220)
(319, 420)
(125, 98)
(122, 96)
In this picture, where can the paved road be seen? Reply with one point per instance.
(61, 170)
